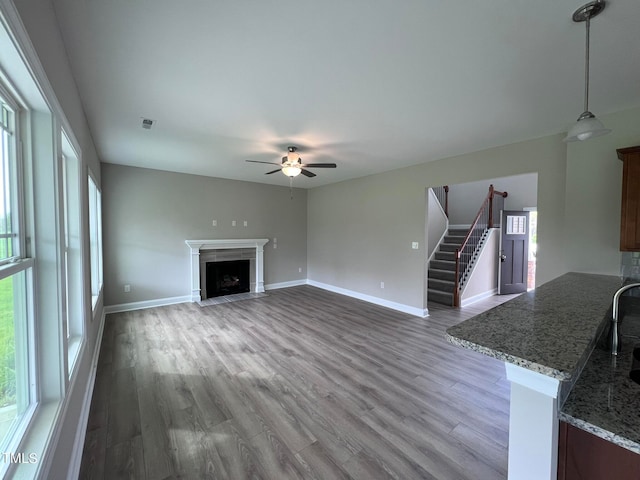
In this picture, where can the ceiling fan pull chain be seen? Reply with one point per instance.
(290, 188)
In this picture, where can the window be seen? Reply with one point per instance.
(95, 240)
(50, 243)
(16, 356)
(72, 252)
(7, 177)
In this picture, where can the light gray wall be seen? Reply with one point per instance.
(484, 276)
(593, 195)
(360, 231)
(40, 21)
(438, 222)
(465, 198)
(148, 214)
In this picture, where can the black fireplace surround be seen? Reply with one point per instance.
(227, 278)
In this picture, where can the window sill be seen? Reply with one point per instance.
(30, 454)
(95, 299)
(73, 349)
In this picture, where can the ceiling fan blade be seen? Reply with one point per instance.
(307, 173)
(258, 161)
(320, 165)
(274, 171)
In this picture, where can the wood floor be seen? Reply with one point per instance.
(302, 383)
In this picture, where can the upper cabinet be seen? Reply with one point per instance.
(630, 222)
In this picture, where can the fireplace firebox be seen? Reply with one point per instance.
(227, 278)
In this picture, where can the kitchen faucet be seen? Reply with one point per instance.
(616, 302)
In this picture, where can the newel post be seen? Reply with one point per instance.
(446, 200)
(490, 206)
(456, 281)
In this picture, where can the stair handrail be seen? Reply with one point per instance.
(486, 207)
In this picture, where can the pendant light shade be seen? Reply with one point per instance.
(588, 125)
(291, 171)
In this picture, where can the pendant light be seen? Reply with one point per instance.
(588, 125)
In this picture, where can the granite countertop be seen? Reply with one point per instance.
(604, 400)
(551, 330)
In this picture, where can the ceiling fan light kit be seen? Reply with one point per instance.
(587, 126)
(291, 170)
(292, 165)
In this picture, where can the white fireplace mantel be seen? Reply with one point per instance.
(197, 245)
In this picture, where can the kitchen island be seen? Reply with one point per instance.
(545, 337)
(600, 429)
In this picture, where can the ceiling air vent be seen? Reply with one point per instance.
(147, 123)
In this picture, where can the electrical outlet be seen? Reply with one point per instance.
(246, 223)
(415, 245)
(214, 223)
(233, 223)
(127, 288)
(381, 284)
(300, 270)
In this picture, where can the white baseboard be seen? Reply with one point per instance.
(418, 312)
(477, 298)
(126, 307)
(160, 302)
(293, 283)
(81, 432)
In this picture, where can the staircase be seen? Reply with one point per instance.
(442, 268)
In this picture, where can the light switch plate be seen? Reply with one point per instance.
(415, 245)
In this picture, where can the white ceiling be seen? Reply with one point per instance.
(370, 85)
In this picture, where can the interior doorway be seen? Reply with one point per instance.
(533, 246)
(443, 230)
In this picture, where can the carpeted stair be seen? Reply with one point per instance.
(442, 268)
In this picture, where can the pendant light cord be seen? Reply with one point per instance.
(586, 69)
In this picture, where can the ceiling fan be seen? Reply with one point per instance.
(292, 165)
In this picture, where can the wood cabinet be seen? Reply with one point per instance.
(630, 221)
(583, 456)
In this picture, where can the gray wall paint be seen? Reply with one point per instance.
(484, 276)
(438, 222)
(465, 198)
(593, 195)
(360, 231)
(148, 214)
(39, 19)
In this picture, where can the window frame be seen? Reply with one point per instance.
(16, 265)
(95, 240)
(72, 268)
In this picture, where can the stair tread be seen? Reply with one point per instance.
(443, 298)
(440, 292)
